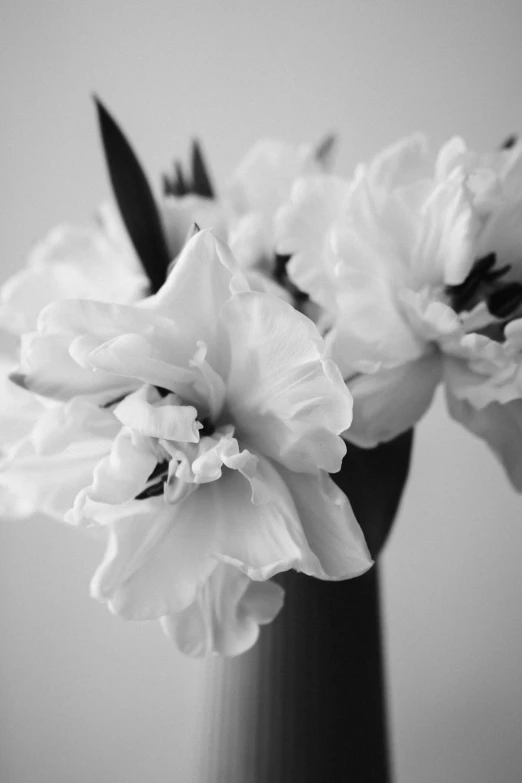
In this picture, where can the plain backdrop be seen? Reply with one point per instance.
(86, 697)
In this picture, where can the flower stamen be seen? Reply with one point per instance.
(155, 482)
(479, 284)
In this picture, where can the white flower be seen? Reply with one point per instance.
(95, 261)
(392, 258)
(225, 617)
(259, 186)
(229, 417)
(99, 262)
(53, 454)
(242, 213)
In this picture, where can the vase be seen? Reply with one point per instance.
(308, 703)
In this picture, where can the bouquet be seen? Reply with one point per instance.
(192, 371)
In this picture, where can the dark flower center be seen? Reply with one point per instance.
(280, 275)
(483, 281)
(155, 481)
(486, 283)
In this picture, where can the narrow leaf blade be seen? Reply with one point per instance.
(135, 200)
(326, 150)
(201, 182)
(509, 142)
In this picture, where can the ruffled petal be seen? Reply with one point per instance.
(95, 323)
(286, 397)
(225, 617)
(482, 374)
(19, 409)
(48, 486)
(389, 402)
(166, 419)
(121, 475)
(500, 426)
(208, 383)
(97, 262)
(397, 164)
(263, 179)
(329, 524)
(371, 328)
(447, 248)
(302, 230)
(502, 235)
(158, 556)
(251, 241)
(264, 538)
(202, 280)
(64, 424)
(48, 369)
(56, 360)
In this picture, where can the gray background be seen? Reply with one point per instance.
(86, 697)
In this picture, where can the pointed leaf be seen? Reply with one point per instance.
(509, 142)
(326, 150)
(201, 182)
(181, 184)
(135, 200)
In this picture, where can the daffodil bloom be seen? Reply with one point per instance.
(99, 262)
(228, 415)
(92, 261)
(95, 261)
(399, 259)
(258, 187)
(243, 211)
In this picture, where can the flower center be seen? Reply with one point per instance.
(280, 275)
(481, 283)
(486, 283)
(208, 427)
(155, 481)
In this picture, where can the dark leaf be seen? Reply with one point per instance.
(325, 151)
(135, 200)
(168, 187)
(374, 480)
(201, 182)
(510, 142)
(181, 185)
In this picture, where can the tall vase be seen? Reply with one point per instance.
(308, 703)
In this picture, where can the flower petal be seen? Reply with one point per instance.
(179, 213)
(76, 420)
(331, 529)
(48, 486)
(48, 369)
(302, 230)
(287, 398)
(168, 421)
(122, 474)
(263, 179)
(18, 407)
(225, 617)
(140, 359)
(392, 400)
(397, 164)
(261, 539)
(158, 556)
(201, 281)
(500, 426)
(97, 262)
